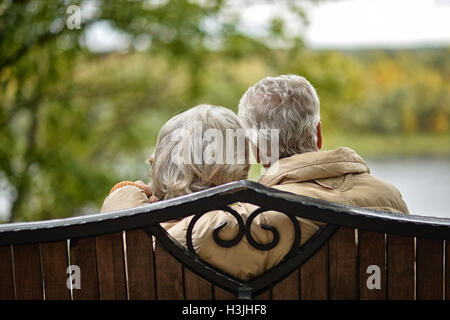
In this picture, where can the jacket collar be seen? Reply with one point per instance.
(314, 165)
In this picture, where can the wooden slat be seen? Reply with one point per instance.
(6, 274)
(343, 265)
(288, 288)
(314, 276)
(447, 269)
(430, 269)
(221, 294)
(27, 272)
(195, 287)
(169, 276)
(111, 267)
(83, 254)
(265, 295)
(141, 277)
(400, 260)
(372, 249)
(54, 267)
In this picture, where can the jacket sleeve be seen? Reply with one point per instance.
(124, 198)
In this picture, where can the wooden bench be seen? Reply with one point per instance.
(117, 259)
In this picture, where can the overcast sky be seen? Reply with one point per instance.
(361, 23)
(332, 24)
(380, 23)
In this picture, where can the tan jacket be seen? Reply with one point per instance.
(337, 175)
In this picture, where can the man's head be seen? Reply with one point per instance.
(288, 103)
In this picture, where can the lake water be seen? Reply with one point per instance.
(424, 183)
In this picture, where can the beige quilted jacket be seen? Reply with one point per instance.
(339, 175)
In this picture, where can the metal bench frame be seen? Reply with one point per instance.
(148, 217)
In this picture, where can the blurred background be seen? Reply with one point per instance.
(86, 85)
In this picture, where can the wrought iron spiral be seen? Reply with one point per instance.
(244, 229)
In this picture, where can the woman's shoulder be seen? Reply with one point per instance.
(125, 197)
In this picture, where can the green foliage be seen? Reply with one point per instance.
(380, 91)
(71, 119)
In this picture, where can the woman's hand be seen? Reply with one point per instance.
(144, 187)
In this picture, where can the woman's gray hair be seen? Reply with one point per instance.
(288, 103)
(174, 169)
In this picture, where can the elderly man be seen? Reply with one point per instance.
(290, 104)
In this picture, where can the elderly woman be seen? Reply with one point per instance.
(187, 159)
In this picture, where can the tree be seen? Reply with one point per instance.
(62, 138)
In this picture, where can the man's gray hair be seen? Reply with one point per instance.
(288, 103)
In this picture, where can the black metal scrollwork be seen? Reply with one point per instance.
(244, 229)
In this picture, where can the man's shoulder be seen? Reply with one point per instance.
(386, 191)
(360, 190)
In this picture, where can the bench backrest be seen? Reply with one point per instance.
(359, 254)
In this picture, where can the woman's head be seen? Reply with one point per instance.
(200, 148)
